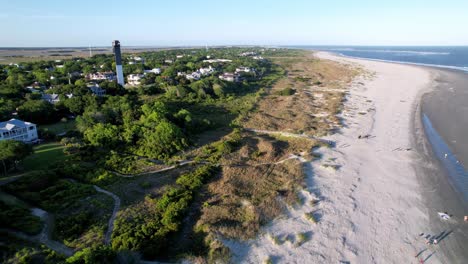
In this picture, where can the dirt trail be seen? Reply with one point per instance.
(183, 163)
(44, 236)
(110, 226)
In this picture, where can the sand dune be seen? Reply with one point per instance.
(371, 207)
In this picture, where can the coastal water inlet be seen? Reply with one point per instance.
(458, 175)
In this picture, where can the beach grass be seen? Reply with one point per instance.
(311, 217)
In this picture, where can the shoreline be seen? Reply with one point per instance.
(368, 212)
(430, 66)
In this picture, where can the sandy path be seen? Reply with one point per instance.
(44, 236)
(182, 163)
(371, 208)
(110, 226)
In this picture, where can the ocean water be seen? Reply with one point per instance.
(446, 57)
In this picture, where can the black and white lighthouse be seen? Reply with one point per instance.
(118, 62)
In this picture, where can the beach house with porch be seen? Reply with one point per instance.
(15, 129)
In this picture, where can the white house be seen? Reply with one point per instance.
(154, 70)
(196, 75)
(134, 79)
(15, 129)
(243, 69)
(249, 53)
(206, 71)
(100, 76)
(229, 77)
(217, 60)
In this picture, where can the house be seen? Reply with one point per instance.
(244, 69)
(180, 56)
(229, 77)
(32, 89)
(249, 53)
(15, 129)
(96, 90)
(257, 57)
(168, 61)
(217, 60)
(36, 85)
(196, 75)
(101, 76)
(206, 71)
(154, 70)
(51, 98)
(134, 79)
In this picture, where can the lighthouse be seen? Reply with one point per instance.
(118, 62)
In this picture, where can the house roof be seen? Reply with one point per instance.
(13, 123)
(50, 97)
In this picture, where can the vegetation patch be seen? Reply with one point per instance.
(19, 218)
(285, 92)
(44, 156)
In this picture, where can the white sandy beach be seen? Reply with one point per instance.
(371, 208)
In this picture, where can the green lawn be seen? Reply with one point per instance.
(43, 156)
(60, 127)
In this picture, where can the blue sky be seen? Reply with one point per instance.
(289, 22)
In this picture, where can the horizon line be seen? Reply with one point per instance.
(224, 45)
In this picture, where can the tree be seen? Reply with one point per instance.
(161, 141)
(75, 105)
(6, 108)
(37, 111)
(102, 135)
(113, 88)
(11, 152)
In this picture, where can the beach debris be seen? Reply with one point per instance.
(420, 252)
(444, 215)
(365, 136)
(466, 218)
(402, 149)
(445, 155)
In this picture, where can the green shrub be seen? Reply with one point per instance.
(19, 218)
(286, 92)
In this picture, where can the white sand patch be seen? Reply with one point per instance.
(370, 208)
